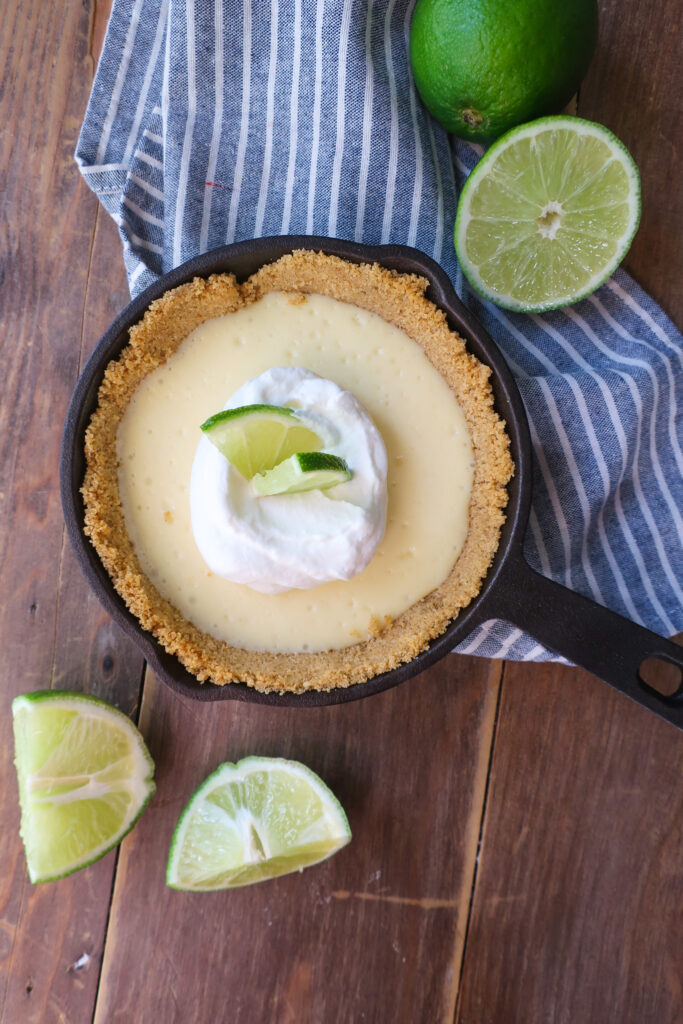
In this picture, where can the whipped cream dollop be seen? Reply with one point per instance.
(286, 541)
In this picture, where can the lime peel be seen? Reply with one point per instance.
(482, 66)
(547, 214)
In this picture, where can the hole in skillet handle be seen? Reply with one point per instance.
(660, 676)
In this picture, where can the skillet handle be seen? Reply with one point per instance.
(595, 638)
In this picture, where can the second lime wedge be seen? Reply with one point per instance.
(254, 820)
(547, 214)
(305, 471)
(255, 438)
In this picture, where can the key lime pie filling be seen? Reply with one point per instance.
(307, 588)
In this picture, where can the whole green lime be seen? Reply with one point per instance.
(484, 66)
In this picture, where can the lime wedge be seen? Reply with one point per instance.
(305, 471)
(254, 820)
(547, 214)
(254, 438)
(85, 777)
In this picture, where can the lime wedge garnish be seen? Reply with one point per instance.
(254, 820)
(547, 214)
(255, 438)
(305, 471)
(85, 777)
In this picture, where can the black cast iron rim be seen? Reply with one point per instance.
(242, 259)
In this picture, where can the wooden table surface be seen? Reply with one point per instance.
(518, 829)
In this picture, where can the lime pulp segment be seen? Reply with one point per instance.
(305, 471)
(547, 214)
(85, 777)
(254, 820)
(255, 438)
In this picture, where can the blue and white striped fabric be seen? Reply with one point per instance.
(212, 121)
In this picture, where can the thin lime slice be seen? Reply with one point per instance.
(254, 820)
(85, 777)
(254, 438)
(305, 471)
(547, 214)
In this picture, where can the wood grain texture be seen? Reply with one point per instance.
(634, 87)
(375, 933)
(577, 907)
(53, 631)
(578, 878)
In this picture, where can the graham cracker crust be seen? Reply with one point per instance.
(398, 299)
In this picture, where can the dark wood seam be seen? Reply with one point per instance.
(479, 841)
(112, 889)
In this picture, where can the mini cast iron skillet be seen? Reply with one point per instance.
(589, 635)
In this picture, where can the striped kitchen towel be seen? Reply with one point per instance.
(212, 121)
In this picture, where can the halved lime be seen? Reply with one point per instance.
(255, 438)
(254, 820)
(547, 214)
(305, 471)
(85, 777)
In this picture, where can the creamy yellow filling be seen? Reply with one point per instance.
(429, 477)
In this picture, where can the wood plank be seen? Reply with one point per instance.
(577, 907)
(53, 632)
(576, 913)
(634, 87)
(375, 934)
